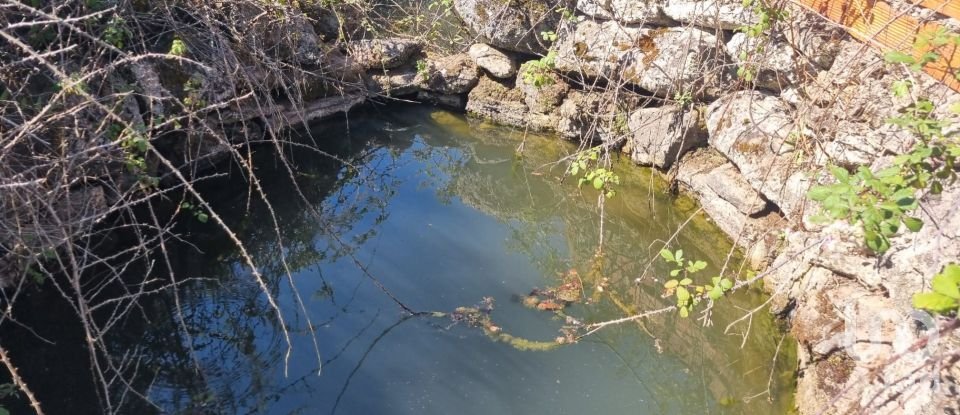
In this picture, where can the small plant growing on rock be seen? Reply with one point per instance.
(196, 211)
(683, 98)
(549, 36)
(74, 85)
(537, 73)
(423, 68)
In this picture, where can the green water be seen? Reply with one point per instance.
(440, 211)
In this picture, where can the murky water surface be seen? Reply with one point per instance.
(442, 213)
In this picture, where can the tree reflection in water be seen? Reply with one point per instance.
(440, 211)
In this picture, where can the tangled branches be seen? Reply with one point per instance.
(111, 112)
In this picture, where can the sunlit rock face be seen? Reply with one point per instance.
(510, 25)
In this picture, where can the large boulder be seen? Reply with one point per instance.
(512, 25)
(711, 14)
(755, 131)
(454, 74)
(495, 62)
(663, 61)
(382, 53)
(659, 136)
(625, 11)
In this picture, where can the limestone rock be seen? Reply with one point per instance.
(775, 68)
(784, 61)
(497, 63)
(512, 25)
(625, 11)
(580, 114)
(382, 53)
(753, 131)
(659, 136)
(394, 84)
(727, 198)
(711, 14)
(497, 102)
(662, 61)
(546, 97)
(455, 74)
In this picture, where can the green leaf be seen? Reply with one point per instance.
(901, 88)
(686, 281)
(178, 47)
(934, 302)
(597, 183)
(877, 242)
(952, 271)
(913, 224)
(842, 175)
(675, 272)
(715, 293)
(726, 284)
(684, 312)
(682, 295)
(202, 217)
(889, 228)
(942, 284)
(936, 188)
(666, 254)
(819, 193)
(820, 219)
(671, 284)
(895, 56)
(679, 255)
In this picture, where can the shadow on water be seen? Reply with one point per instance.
(440, 210)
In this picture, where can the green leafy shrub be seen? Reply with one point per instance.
(879, 201)
(602, 179)
(537, 73)
(681, 284)
(116, 33)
